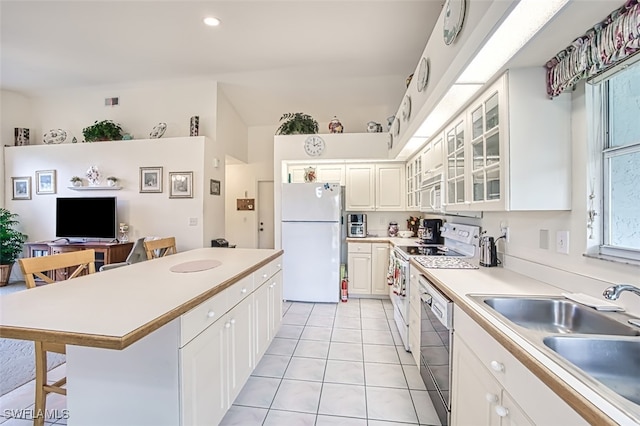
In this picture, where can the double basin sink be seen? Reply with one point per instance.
(602, 345)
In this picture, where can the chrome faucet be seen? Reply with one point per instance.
(613, 292)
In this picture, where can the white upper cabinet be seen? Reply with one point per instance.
(360, 187)
(390, 187)
(511, 148)
(327, 173)
(375, 187)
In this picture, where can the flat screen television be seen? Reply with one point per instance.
(88, 217)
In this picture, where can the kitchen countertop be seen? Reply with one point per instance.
(595, 406)
(115, 308)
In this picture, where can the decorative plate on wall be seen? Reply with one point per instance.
(423, 74)
(390, 141)
(396, 127)
(54, 136)
(158, 131)
(453, 19)
(406, 108)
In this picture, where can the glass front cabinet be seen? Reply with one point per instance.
(414, 181)
(511, 148)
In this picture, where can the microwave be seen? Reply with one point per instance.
(431, 195)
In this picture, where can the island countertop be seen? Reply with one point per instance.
(115, 308)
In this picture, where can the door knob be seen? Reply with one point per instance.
(262, 229)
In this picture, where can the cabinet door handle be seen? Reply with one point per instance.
(211, 314)
(264, 275)
(232, 321)
(243, 291)
(227, 325)
(272, 285)
(491, 398)
(279, 266)
(502, 411)
(497, 366)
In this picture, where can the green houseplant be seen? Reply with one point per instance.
(11, 242)
(105, 130)
(297, 123)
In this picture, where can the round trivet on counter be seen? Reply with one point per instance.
(195, 265)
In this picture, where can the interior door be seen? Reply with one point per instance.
(265, 214)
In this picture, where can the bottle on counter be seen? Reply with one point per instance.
(393, 229)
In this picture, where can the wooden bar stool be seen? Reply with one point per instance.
(160, 248)
(51, 269)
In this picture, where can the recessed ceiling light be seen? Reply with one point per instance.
(212, 22)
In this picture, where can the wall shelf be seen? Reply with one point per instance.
(95, 188)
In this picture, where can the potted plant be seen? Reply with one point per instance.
(11, 241)
(105, 130)
(297, 123)
(112, 180)
(75, 181)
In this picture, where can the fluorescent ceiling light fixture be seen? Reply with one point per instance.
(451, 102)
(526, 19)
(211, 21)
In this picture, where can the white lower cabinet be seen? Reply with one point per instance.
(491, 387)
(368, 264)
(481, 400)
(216, 363)
(379, 268)
(268, 313)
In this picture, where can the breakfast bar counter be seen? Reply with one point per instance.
(169, 341)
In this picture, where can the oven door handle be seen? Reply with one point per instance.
(426, 298)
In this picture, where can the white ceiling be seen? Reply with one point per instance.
(320, 57)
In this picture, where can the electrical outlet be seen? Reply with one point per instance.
(504, 229)
(562, 242)
(193, 221)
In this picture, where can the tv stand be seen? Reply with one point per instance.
(106, 253)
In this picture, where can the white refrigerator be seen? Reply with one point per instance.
(311, 240)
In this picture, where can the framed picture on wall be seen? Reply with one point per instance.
(21, 187)
(181, 184)
(151, 179)
(45, 182)
(214, 187)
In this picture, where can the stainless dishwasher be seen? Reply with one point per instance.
(436, 317)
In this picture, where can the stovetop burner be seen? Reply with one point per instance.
(428, 250)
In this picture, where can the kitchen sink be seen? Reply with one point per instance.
(615, 362)
(558, 315)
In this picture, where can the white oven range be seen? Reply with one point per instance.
(459, 242)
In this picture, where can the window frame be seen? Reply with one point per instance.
(606, 153)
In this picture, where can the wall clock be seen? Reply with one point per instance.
(314, 145)
(453, 19)
(423, 74)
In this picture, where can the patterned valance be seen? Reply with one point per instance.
(604, 45)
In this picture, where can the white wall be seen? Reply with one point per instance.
(142, 106)
(147, 213)
(15, 111)
(231, 131)
(242, 226)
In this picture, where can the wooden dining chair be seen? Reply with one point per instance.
(51, 269)
(160, 248)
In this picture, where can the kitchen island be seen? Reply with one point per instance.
(153, 346)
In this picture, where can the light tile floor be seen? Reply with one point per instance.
(329, 365)
(335, 365)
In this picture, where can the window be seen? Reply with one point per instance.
(616, 109)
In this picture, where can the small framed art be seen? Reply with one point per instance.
(45, 182)
(150, 179)
(181, 184)
(214, 187)
(21, 187)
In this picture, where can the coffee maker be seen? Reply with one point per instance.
(431, 231)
